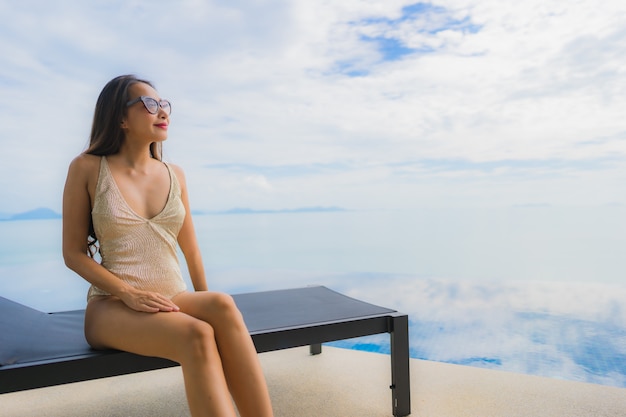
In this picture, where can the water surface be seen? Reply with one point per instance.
(531, 290)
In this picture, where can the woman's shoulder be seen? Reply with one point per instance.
(85, 164)
(180, 174)
(86, 160)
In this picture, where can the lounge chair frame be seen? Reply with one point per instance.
(43, 349)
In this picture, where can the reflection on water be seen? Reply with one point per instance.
(568, 331)
(536, 292)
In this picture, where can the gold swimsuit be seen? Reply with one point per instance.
(139, 251)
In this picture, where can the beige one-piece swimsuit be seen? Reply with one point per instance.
(139, 251)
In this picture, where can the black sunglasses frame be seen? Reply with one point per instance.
(164, 104)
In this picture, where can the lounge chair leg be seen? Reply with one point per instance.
(315, 349)
(400, 379)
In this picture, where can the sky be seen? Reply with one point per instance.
(356, 104)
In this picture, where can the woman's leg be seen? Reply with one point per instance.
(239, 357)
(109, 323)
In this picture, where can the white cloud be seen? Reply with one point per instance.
(265, 83)
(464, 302)
(564, 330)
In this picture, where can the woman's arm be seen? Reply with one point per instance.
(187, 239)
(81, 178)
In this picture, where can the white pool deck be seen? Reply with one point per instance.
(339, 382)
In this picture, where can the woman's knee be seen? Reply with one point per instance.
(226, 307)
(224, 302)
(199, 339)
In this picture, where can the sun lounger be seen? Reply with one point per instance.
(42, 349)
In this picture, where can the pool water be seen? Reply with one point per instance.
(538, 292)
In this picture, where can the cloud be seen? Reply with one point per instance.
(258, 182)
(563, 330)
(421, 28)
(282, 170)
(367, 85)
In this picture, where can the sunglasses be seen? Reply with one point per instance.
(152, 105)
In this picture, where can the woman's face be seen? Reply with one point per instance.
(139, 123)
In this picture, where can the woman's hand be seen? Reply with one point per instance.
(147, 301)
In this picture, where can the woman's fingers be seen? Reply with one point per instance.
(150, 302)
(164, 303)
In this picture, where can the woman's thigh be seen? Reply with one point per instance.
(109, 323)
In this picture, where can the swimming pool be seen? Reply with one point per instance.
(469, 291)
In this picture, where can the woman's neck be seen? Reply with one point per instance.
(134, 157)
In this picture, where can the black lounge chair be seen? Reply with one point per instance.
(42, 349)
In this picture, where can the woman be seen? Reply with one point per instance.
(119, 193)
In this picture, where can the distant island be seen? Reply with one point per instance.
(240, 210)
(44, 213)
(41, 213)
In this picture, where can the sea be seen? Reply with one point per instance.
(537, 290)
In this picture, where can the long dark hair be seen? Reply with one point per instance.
(107, 135)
